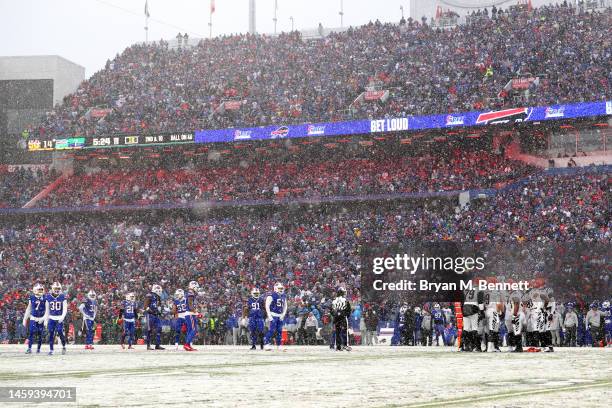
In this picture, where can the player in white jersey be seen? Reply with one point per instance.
(494, 308)
(530, 300)
(541, 309)
(473, 307)
(548, 309)
(515, 320)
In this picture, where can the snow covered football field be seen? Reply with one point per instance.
(228, 376)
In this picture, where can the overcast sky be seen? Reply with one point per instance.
(89, 32)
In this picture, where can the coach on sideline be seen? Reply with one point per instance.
(593, 321)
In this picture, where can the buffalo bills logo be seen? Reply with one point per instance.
(515, 115)
(280, 132)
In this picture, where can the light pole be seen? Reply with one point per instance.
(341, 14)
(402, 10)
(291, 18)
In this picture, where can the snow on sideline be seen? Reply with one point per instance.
(226, 376)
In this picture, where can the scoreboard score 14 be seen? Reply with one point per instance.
(73, 143)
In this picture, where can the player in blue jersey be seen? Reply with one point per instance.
(438, 322)
(55, 313)
(276, 309)
(607, 316)
(128, 314)
(179, 312)
(89, 310)
(256, 318)
(191, 322)
(153, 311)
(34, 317)
(399, 326)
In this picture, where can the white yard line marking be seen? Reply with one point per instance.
(503, 395)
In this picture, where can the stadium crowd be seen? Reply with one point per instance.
(19, 186)
(246, 80)
(284, 177)
(312, 250)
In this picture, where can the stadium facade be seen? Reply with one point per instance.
(32, 85)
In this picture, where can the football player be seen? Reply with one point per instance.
(179, 311)
(438, 321)
(548, 306)
(473, 308)
(515, 321)
(191, 315)
(153, 310)
(89, 310)
(34, 317)
(276, 309)
(493, 311)
(256, 318)
(128, 314)
(400, 326)
(531, 318)
(55, 313)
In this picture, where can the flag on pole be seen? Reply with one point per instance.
(147, 15)
(212, 6)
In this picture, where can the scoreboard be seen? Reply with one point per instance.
(73, 143)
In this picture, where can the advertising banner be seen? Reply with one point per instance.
(453, 120)
(356, 127)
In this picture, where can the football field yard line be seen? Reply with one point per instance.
(503, 395)
(4, 376)
(204, 378)
(349, 358)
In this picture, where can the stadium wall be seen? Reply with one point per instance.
(31, 86)
(66, 75)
